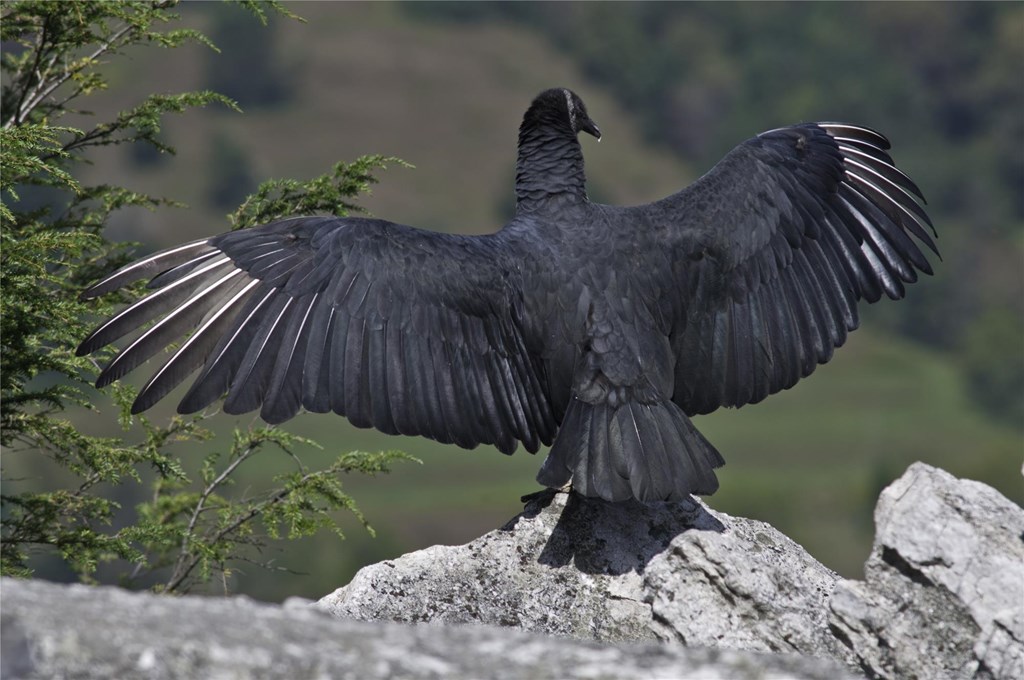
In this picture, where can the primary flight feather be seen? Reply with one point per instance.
(597, 329)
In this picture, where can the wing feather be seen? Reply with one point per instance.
(339, 350)
(316, 393)
(397, 380)
(284, 396)
(253, 377)
(194, 351)
(149, 266)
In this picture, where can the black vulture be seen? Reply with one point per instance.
(597, 329)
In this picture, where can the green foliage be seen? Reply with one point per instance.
(194, 533)
(51, 246)
(278, 197)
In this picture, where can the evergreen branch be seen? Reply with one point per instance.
(42, 90)
(181, 573)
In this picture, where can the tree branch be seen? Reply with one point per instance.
(42, 91)
(275, 498)
(27, 75)
(177, 576)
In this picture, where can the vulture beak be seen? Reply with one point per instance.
(590, 127)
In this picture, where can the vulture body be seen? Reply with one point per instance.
(597, 329)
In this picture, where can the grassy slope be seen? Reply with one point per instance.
(448, 99)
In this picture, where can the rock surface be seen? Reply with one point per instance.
(598, 571)
(943, 595)
(55, 631)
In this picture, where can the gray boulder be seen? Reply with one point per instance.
(593, 570)
(596, 591)
(55, 631)
(943, 595)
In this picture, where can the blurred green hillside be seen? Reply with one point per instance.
(938, 377)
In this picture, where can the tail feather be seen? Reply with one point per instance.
(651, 452)
(607, 462)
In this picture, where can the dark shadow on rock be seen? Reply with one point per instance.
(600, 537)
(533, 504)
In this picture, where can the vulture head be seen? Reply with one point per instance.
(561, 108)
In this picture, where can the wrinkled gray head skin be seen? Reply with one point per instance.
(578, 118)
(561, 106)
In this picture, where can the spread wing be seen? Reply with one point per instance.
(407, 331)
(771, 251)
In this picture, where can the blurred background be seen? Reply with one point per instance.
(938, 377)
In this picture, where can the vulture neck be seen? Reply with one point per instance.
(549, 170)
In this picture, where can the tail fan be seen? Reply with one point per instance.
(651, 452)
